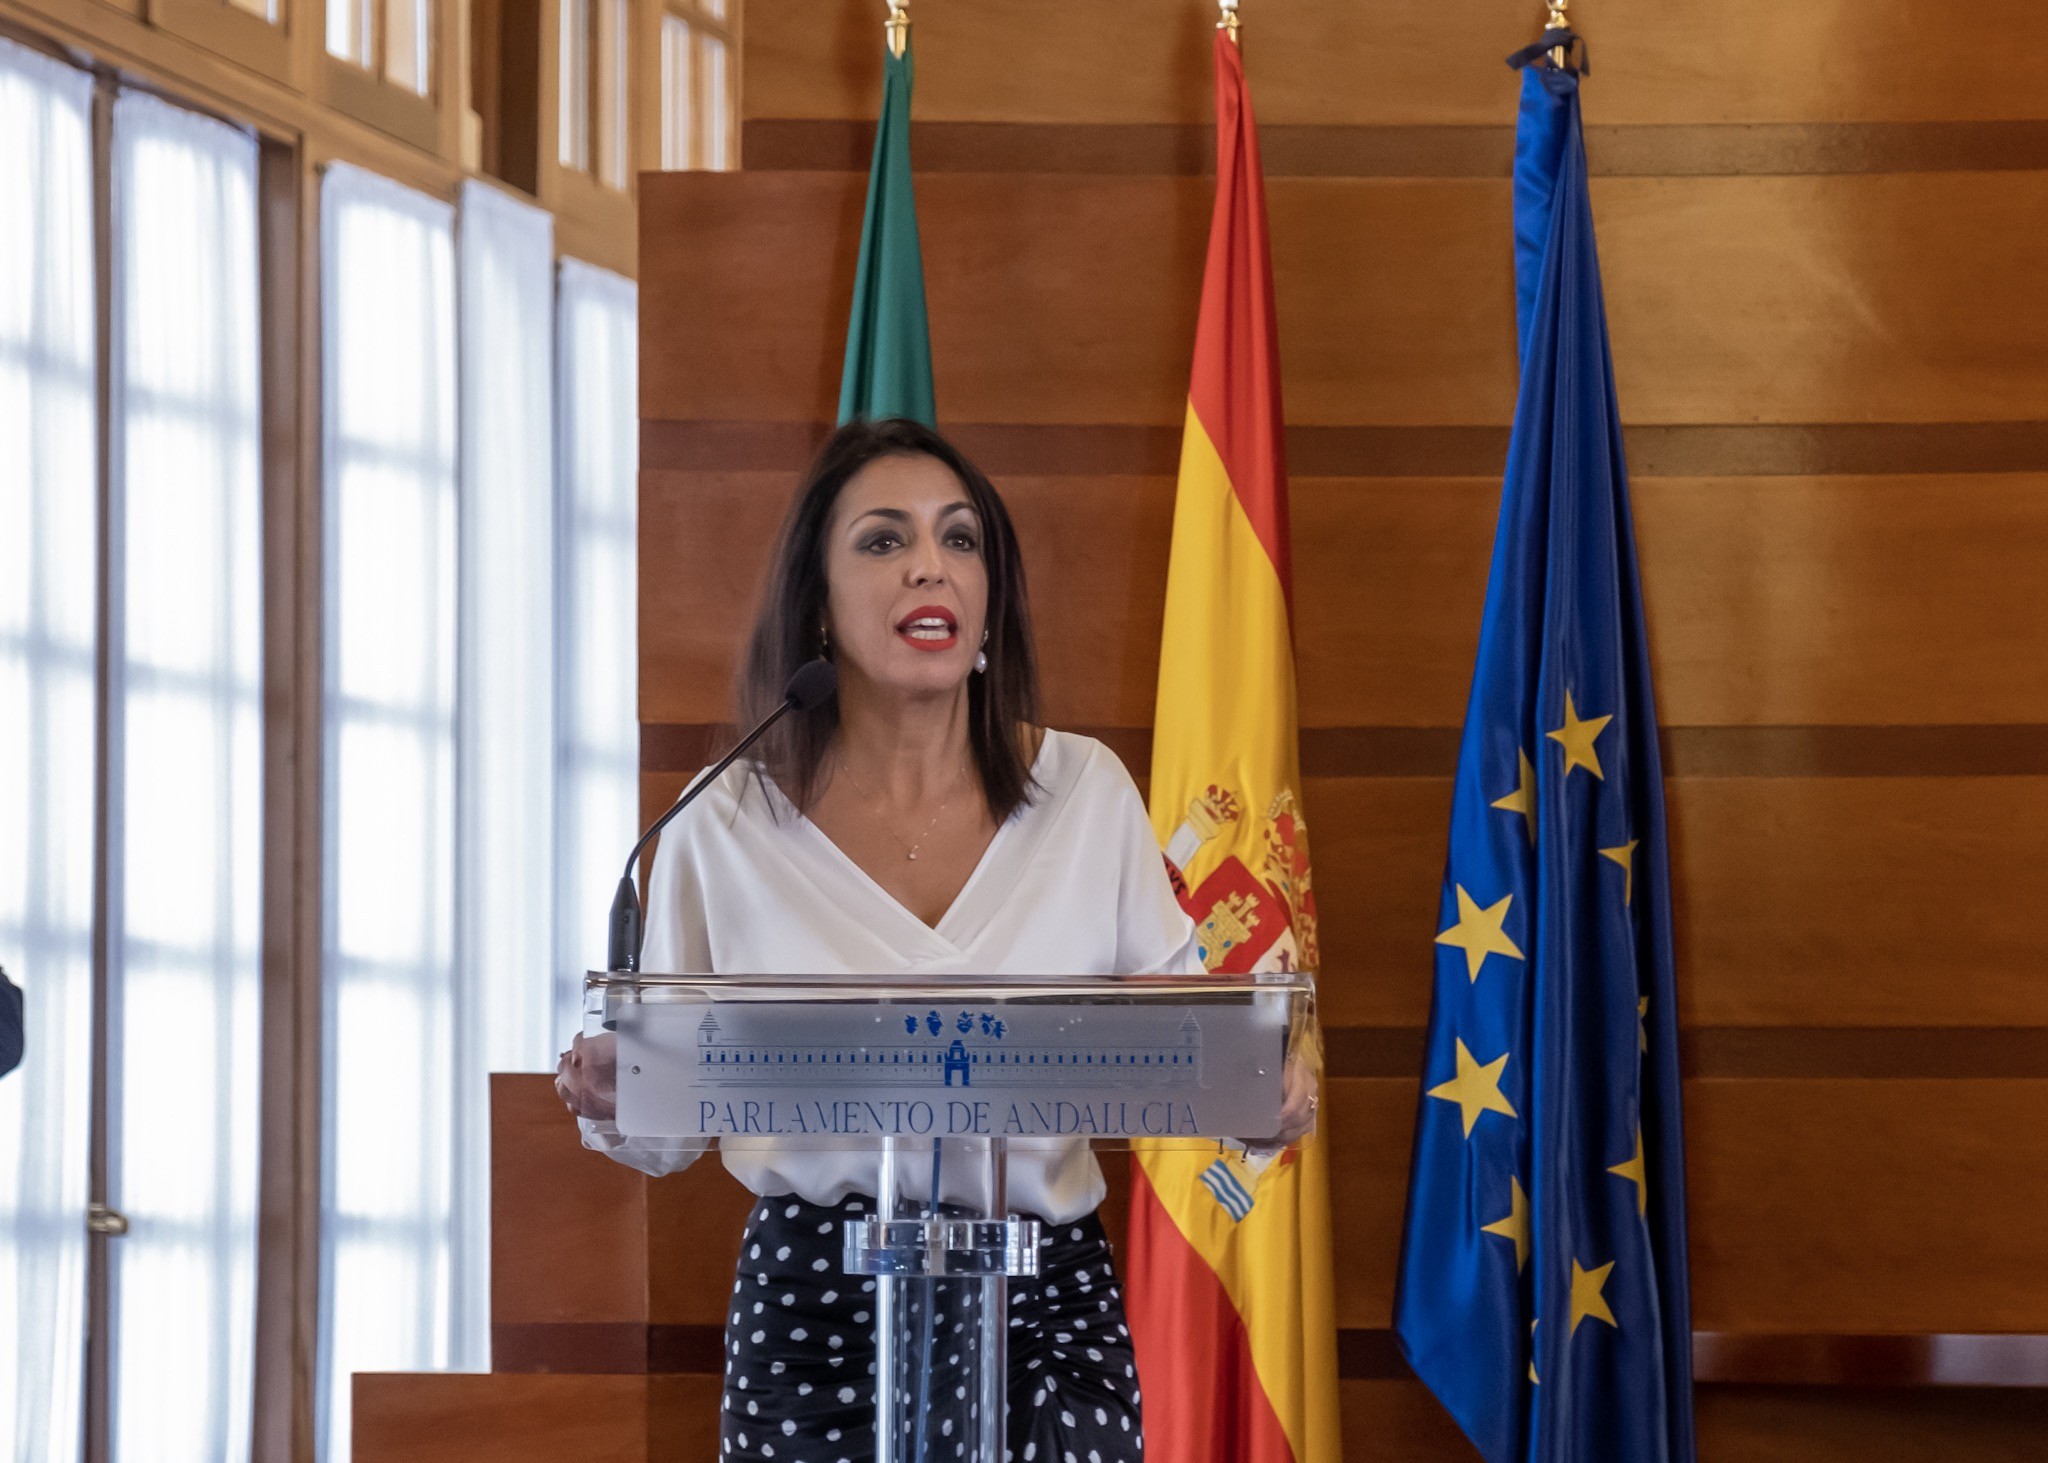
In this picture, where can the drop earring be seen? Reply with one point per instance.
(824, 642)
(981, 656)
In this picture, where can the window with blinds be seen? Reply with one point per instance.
(594, 116)
(391, 39)
(699, 101)
(132, 757)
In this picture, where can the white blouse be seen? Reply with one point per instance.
(1072, 884)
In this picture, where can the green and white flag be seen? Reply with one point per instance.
(888, 342)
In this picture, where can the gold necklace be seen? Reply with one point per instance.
(909, 849)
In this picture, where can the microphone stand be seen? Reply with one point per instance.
(809, 687)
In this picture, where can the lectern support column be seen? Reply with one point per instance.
(889, 1306)
(942, 1303)
(995, 1315)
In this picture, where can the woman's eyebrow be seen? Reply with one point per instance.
(894, 515)
(899, 515)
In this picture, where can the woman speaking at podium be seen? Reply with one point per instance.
(921, 824)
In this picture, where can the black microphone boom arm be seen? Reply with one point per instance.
(813, 682)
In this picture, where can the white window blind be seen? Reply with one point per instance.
(598, 787)
(505, 830)
(350, 26)
(185, 720)
(49, 555)
(409, 44)
(388, 1236)
(678, 94)
(718, 147)
(572, 86)
(614, 57)
(402, 29)
(506, 835)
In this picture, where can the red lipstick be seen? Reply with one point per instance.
(929, 627)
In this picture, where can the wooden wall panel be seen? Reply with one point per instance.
(1902, 297)
(1404, 62)
(568, 1228)
(443, 1417)
(1834, 1425)
(658, 790)
(1834, 299)
(1878, 1206)
(1861, 901)
(682, 1418)
(1873, 600)
(1399, 1422)
(1095, 554)
(1053, 298)
(767, 343)
(1378, 845)
(1902, 901)
(1794, 1185)
(693, 1239)
(1772, 601)
(1370, 1125)
(704, 545)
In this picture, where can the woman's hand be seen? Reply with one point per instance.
(1299, 1089)
(587, 1077)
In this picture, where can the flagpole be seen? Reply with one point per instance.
(898, 27)
(1557, 21)
(1228, 24)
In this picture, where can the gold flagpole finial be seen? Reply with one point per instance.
(1228, 24)
(1557, 21)
(898, 27)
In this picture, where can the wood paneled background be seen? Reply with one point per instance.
(1824, 231)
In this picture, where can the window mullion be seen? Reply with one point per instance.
(287, 1274)
(593, 45)
(99, 1306)
(700, 77)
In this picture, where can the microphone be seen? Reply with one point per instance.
(812, 685)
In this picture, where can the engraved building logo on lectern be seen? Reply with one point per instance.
(979, 1057)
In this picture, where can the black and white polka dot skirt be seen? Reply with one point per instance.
(800, 1350)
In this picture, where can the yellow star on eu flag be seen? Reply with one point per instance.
(1577, 737)
(1637, 1173)
(1478, 931)
(1516, 1226)
(1625, 855)
(1523, 799)
(1586, 1297)
(1475, 1089)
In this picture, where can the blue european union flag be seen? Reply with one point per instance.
(1542, 1292)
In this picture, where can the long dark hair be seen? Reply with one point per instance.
(1001, 701)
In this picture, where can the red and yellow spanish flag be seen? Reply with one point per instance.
(1229, 1264)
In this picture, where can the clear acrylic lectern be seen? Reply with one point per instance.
(941, 1078)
